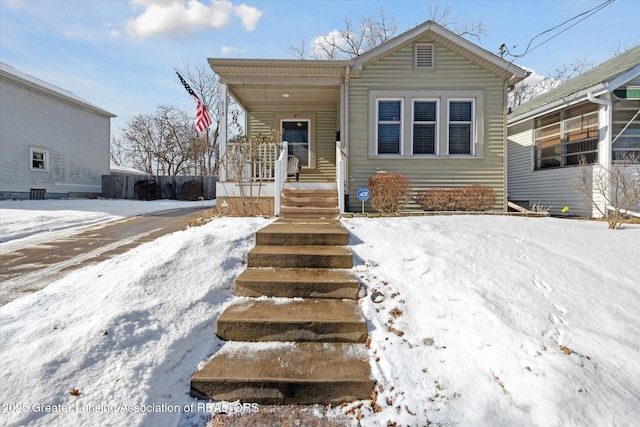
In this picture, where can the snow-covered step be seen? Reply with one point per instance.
(285, 373)
(297, 283)
(300, 256)
(286, 319)
(288, 232)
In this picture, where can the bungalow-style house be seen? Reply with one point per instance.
(53, 144)
(595, 117)
(428, 104)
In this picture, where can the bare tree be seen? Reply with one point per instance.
(445, 18)
(118, 152)
(612, 192)
(355, 39)
(163, 143)
(528, 89)
(367, 33)
(206, 85)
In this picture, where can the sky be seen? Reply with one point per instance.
(120, 54)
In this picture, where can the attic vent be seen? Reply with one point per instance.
(424, 55)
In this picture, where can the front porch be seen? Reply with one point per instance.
(291, 108)
(258, 181)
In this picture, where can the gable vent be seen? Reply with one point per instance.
(424, 56)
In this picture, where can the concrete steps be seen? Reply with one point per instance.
(305, 256)
(297, 334)
(301, 320)
(297, 283)
(309, 203)
(285, 373)
(303, 233)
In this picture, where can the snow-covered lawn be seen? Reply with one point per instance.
(478, 321)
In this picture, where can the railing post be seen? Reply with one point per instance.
(340, 176)
(280, 177)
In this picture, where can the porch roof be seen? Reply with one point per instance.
(282, 83)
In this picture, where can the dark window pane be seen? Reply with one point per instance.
(460, 111)
(388, 139)
(459, 139)
(424, 138)
(388, 111)
(424, 111)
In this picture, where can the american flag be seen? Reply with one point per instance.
(203, 120)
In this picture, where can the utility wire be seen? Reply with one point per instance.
(588, 13)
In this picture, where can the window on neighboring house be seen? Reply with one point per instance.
(626, 130)
(424, 55)
(565, 137)
(39, 159)
(460, 127)
(389, 126)
(425, 125)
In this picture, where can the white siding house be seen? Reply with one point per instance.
(53, 144)
(595, 117)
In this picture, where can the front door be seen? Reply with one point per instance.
(296, 133)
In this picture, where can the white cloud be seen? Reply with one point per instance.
(249, 16)
(181, 18)
(324, 47)
(226, 50)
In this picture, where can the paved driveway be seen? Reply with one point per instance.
(28, 269)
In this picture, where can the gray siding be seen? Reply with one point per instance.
(76, 139)
(549, 187)
(452, 73)
(325, 133)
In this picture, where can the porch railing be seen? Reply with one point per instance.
(280, 176)
(249, 162)
(340, 173)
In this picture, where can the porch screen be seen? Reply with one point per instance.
(626, 130)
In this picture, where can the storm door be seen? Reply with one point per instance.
(296, 133)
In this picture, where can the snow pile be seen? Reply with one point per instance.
(127, 333)
(500, 320)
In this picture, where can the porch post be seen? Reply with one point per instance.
(222, 147)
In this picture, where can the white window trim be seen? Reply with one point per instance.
(473, 136)
(442, 149)
(415, 56)
(32, 151)
(311, 118)
(437, 123)
(401, 122)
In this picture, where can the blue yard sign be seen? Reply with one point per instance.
(363, 195)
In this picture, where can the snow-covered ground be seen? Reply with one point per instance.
(477, 320)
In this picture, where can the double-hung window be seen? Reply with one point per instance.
(425, 124)
(461, 126)
(39, 159)
(425, 127)
(389, 127)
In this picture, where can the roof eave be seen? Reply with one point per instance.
(76, 101)
(516, 73)
(565, 101)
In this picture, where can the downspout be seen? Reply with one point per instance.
(605, 151)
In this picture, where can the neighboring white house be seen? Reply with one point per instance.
(595, 116)
(53, 144)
